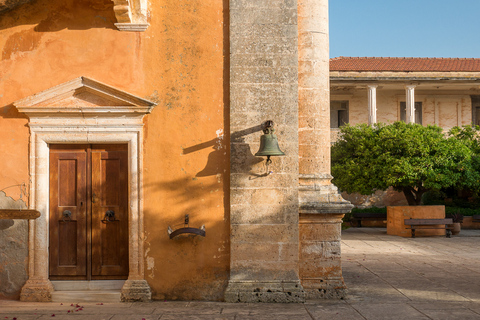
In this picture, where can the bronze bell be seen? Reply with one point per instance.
(268, 142)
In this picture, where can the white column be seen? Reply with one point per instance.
(437, 112)
(410, 116)
(372, 104)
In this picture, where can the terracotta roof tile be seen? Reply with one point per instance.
(405, 64)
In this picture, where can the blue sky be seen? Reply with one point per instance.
(405, 28)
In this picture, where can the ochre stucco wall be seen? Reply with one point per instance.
(178, 63)
(186, 167)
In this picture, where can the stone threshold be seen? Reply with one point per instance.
(87, 291)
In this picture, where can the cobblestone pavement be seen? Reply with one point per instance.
(388, 278)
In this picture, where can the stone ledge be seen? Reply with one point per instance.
(19, 214)
(325, 208)
(265, 291)
(134, 27)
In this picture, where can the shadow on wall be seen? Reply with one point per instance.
(246, 158)
(191, 267)
(10, 112)
(13, 250)
(55, 15)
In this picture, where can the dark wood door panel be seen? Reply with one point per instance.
(68, 208)
(88, 181)
(109, 230)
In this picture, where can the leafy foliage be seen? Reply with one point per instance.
(370, 210)
(462, 211)
(409, 157)
(448, 210)
(470, 137)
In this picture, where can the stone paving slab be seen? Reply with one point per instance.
(387, 311)
(388, 277)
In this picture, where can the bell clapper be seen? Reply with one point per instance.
(267, 164)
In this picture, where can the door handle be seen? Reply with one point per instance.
(109, 216)
(67, 214)
(93, 197)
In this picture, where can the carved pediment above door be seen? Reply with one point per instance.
(85, 102)
(131, 15)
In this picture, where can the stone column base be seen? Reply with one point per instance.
(136, 290)
(37, 291)
(265, 291)
(324, 289)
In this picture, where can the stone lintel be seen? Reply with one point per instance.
(37, 291)
(19, 214)
(136, 290)
(265, 291)
(132, 27)
(325, 208)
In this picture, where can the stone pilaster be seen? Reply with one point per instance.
(264, 207)
(321, 207)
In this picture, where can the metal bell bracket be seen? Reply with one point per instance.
(186, 229)
(268, 127)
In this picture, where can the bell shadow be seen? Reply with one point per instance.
(242, 156)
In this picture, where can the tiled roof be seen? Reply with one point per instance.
(405, 64)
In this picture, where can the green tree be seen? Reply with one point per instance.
(411, 158)
(470, 137)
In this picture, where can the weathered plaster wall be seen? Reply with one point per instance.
(13, 250)
(178, 63)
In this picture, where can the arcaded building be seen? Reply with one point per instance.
(429, 91)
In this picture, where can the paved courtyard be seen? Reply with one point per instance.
(388, 278)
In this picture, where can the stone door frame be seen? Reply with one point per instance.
(61, 124)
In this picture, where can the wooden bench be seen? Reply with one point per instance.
(429, 224)
(476, 218)
(358, 217)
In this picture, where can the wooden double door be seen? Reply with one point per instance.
(88, 228)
